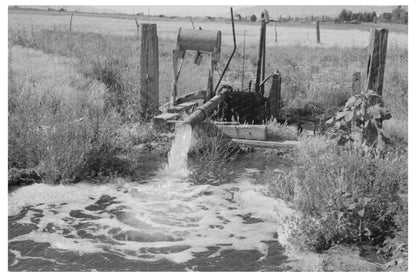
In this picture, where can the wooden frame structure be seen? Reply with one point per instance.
(201, 41)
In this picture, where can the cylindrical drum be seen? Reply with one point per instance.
(199, 40)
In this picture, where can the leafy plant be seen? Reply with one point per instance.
(361, 120)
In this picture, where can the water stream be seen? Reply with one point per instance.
(166, 222)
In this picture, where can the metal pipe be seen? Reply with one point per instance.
(259, 58)
(232, 54)
(244, 57)
(263, 68)
(201, 113)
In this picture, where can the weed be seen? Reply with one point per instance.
(277, 131)
(344, 197)
(213, 153)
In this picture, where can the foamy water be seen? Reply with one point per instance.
(167, 218)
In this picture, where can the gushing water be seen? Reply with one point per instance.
(178, 155)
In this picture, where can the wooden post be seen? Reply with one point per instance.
(208, 93)
(377, 51)
(356, 83)
(275, 94)
(318, 33)
(244, 58)
(70, 22)
(174, 93)
(137, 27)
(149, 69)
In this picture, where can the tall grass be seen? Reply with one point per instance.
(324, 75)
(57, 117)
(213, 153)
(114, 60)
(317, 74)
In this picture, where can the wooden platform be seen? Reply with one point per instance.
(248, 132)
(161, 121)
(243, 134)
(266, 144)
(184, 107)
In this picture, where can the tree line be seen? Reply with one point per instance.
(398, 15)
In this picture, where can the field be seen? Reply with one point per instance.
(288, 34)
(73, 111)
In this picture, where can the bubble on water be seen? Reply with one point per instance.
(165, 219)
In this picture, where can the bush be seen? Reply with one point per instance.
(344, 197)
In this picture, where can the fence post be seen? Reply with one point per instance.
(149, 69)
(356, 83)
(318, 33)
(377, 50)
(137, 26)
(275, 94)
(70, 22)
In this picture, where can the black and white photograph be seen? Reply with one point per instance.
(206, 137)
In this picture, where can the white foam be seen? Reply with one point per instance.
(166, 212)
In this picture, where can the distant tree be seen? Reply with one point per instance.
(349, 15)
(253, 18)
(386, 16)
(238, 17)
(399, 15)
(343, 15)
(62, 10)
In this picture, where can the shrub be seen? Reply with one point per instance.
(396, 129)
(344, 197)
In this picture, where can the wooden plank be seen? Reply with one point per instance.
(149, 69)
(227, 123)
(250, 132)
(274, 95)
(198, 95)
(183, 107)
(266, 144)
(377, 51)
(162, 119)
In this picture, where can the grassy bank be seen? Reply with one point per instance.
(59, 123)
(346, 197)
